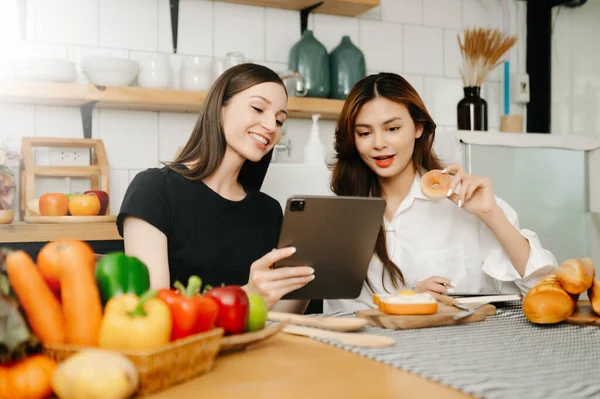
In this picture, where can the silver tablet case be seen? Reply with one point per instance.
(334, 235)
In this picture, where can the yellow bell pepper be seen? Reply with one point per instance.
(135, 323)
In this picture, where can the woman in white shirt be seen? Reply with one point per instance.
(470, 242)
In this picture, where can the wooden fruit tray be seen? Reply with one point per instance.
(71, 219)
(98, 172)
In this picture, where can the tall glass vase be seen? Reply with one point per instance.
(472, 110)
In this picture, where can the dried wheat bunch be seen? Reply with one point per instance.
(481, 53)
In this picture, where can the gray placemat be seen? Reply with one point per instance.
(504, 356)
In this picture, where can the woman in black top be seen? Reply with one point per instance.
(203, 214)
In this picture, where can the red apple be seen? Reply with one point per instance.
(103, 197)
(233, 308)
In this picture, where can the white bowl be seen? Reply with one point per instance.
(115, 63)
(154, 78)
(108, 77)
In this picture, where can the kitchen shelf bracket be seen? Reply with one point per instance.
(304, 13)
(86, 118)
(174, 5)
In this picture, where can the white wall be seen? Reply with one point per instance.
(576, 70)
(416, 38)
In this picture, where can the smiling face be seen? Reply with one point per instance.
(252, 120)
(385, 137)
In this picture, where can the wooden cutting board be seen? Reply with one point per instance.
(584, 315)
(443, 317)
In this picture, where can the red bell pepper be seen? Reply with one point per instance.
(191, 313)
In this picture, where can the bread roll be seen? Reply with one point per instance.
(594, 295)
(576, 275)
(548, 302)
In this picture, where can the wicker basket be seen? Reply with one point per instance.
(164, 367)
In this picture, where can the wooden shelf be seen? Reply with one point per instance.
(34, 232)
(140, 99)
(347, 8)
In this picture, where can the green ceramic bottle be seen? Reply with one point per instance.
(309, 58)
(347, 64)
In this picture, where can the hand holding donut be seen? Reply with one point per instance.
(476, 195)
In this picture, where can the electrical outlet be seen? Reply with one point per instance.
(69, 156)
(520, 89)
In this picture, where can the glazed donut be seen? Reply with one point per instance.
(435, 184)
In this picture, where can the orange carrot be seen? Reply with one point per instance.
(82, 308)
(41, 307)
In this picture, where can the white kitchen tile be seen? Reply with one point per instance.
(174, 130)
(282, 31)
(165, 36)
(452, 55)
(275, 66)
(195, 30)
(442, 13)
(67, 21)
(63, 122)
(493, 94)
(130, 138)
(415, 81)
(16, 121)
(239, 28)
(30, 21)
(119, 181)
(329, 30)
(40, 49)
(374, 14)
(76, 54)
(423, 50)
(404, 11)
(441, 98)
(381, 43)
(131, 24)
(61, 185)
(482, 13)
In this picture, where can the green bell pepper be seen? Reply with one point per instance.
(117, 273)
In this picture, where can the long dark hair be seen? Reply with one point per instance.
(352, 177)
(207, 144)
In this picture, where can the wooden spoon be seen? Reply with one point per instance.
(344, 324)
(351, 339)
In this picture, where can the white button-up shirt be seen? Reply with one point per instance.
(437, 238)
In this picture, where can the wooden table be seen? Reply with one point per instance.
(296, 367)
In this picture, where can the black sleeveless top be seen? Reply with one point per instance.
(208, 235)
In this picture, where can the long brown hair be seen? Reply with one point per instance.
(352, 177)
(206, 145)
